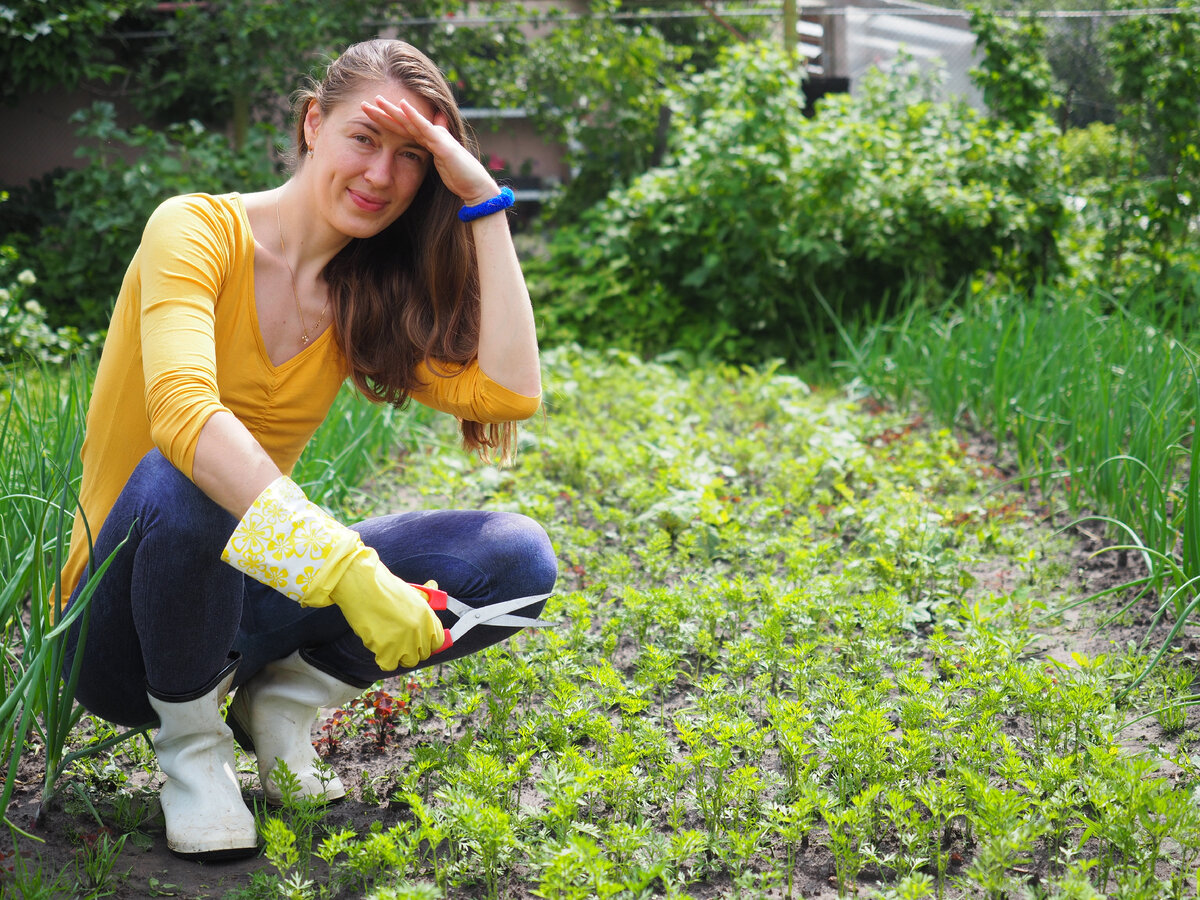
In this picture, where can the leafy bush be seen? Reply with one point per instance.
(598, 86)
(723, 250)
(1093, 155)
(1014, 74)
(85, 243)
(1134, 182)
(24, 333)
(1131, 238)
(1154, 61)
(52, 46)
(231, 62)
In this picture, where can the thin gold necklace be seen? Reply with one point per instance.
(304, 338)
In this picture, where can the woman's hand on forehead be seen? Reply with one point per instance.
(460, 171)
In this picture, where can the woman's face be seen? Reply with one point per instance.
(363, 176)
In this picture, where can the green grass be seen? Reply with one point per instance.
(1098, 405)
(1092, 402)
(40, 435)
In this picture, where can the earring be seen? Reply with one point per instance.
(310, 152)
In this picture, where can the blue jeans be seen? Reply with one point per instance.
(169, 613)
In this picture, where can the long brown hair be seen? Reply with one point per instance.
(409, 294)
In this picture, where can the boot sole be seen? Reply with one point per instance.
(228, 854)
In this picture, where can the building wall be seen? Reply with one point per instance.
(511, 146)
(39, 135)
(883, 33)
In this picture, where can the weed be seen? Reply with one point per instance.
(30, 882)
(382, 713)
(95, 861)
(333, 731)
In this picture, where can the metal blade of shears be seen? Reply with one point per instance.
(494, 614)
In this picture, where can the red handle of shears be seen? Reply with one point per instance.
(437, 600)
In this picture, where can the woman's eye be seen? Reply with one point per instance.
(362, 139)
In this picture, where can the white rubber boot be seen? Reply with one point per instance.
(272, 714)
(201, 799)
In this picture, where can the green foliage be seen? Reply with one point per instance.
(1154, 59)
(705, 37)
(1013, 73)
(722, 250)
(220, 60)
(1093, 156)
(592, 83)
(1135, 182)
(596, 86)
(479, 62)
(85, 244)
(24, 334)
(57, 45)
(97, 858)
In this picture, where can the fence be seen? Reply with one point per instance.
(848, 41)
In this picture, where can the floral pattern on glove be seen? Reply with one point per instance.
(283, 540)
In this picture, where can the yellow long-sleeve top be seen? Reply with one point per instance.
(184, 343)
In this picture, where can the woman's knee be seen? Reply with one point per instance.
(528, 548)
(486, 550)
(514, 550)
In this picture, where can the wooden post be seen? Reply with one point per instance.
(789, 27)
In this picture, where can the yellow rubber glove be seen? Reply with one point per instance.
(288, 543)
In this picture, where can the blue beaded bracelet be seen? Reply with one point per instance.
(503, 201)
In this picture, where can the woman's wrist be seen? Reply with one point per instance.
(286, 541)
(481, 196)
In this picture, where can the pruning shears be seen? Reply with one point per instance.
(497, 614)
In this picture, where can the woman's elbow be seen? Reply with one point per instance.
(175, 423)
(520, 407)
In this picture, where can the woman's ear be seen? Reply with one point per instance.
(312, 123)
